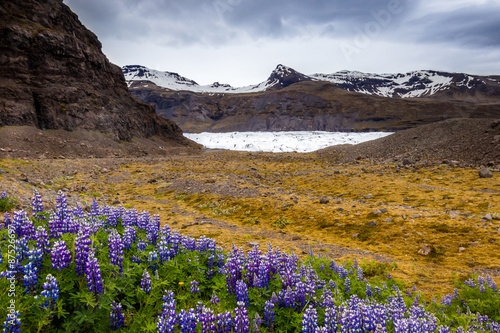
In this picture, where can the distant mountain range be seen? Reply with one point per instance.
(342, 101)
(423, 83)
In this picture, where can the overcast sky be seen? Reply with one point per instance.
(241, 41)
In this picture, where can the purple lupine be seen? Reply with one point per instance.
(242, 293)
(163, 252)
(241, 323)
(141, 245)
(369, 318)
(269, 314)
(233, 269)
(187, 321)
(7, 220)
(256, 323)
(309, 320)
(207, 320)
(331, 319)
(93, 275)
(116, 250)
(129, 237)
(224, 322)
(50, 291)
(61, 206)
(194, 287)
(61, 257)
(214, 300)
(351, 320)
(369, 292)
(116, 318)
(30, 277)
(359, 274)
(42, 239)
(37, 204)
(82, 249)
(146, 282)
(166, 321)
(12, 323)
(347, 285)
(55, 226)
(300, 295)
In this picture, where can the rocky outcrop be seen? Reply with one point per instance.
(53, 75)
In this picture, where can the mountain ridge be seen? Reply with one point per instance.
(414, 84)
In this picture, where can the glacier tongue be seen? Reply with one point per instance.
(276, 142)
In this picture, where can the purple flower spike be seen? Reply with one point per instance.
(116, 250)
(116, 318)
(194, 287)
(146, 282)
(61, 257)
(93, 275)
(241, 322)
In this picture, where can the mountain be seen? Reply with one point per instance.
(54, 76)
(281, 77)
(424, 83)
(303, 106)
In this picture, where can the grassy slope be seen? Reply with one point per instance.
(231, 191)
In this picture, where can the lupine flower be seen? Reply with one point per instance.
(146, 282)
(331, 320)
(224, 322)
(141, 245)
(50, 291)
(242, 293)
(37, 203)
(269, 314)
(82, 249)
(194, 287)
(61, 206)
(61, 257)
(116, 250)
(93, 275)
(129, 237)
(30, 277)
(166, 322)
(116, 318)
(207, 320)
(347, 285)
(187, 321)
(13, 322)
(256, 323)
(241, 323)
(214, 300)
(309, 320)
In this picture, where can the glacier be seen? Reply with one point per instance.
(280, 142)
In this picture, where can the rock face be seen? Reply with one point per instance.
(302, 106)
(53, 75)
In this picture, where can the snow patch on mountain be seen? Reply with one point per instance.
(277, 142)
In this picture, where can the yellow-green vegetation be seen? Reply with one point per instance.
(369, 211)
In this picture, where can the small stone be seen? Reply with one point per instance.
(383, 210)
(355, 235)
(369, 196)
(388, 220)
(488, 217)
(376, 212)
(425, 250)
(253, 244)
(257, 222)
(485, 173)
(372, 224)
(416, 216)
(461, 249)
(295, 238)
(323, 200)
(340, 209)
(286, 205)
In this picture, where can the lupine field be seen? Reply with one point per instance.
(111, 268)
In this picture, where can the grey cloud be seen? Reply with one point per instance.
(473, 26)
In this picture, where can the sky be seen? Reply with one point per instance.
(241, 41)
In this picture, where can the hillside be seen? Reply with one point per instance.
(311, 105)
(54, 76)
(471, 141)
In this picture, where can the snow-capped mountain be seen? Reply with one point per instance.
(412, 84)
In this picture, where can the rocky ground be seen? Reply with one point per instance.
(431, 224)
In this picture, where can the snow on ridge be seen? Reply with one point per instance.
(412, 84)
(300, 141)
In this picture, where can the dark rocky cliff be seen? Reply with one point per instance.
(53, 75)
